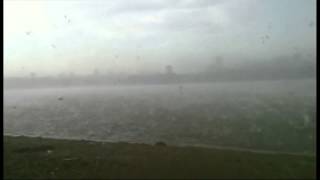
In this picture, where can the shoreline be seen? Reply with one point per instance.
(26, 157)
(186, 145)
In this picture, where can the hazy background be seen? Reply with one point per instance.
(78, 36)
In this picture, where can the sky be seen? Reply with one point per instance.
(143, 36)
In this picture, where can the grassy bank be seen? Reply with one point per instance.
(26, 157)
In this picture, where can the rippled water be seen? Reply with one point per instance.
(267, 115)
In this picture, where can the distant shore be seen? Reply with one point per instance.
(50, 82)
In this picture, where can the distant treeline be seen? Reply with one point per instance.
(259, 71)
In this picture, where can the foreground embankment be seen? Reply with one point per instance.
(26, 157)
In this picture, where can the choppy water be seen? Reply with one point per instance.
(266, 115)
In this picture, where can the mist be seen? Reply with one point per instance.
(160, 88)
(77, 37)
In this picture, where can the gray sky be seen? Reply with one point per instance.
(50, 37)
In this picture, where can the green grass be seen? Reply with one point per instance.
(26, 157)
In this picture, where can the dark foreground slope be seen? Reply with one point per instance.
(26, 157)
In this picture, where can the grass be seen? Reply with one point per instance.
(26, 157)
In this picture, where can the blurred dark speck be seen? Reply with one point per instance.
(180, 89)
(160, 143)
(311, 24)
(60, 98)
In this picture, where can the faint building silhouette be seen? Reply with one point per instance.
(219, 62)
(170, 74)
(169, 70)
(32, 75)
(96, 72)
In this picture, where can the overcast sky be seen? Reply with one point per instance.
(51, 37)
